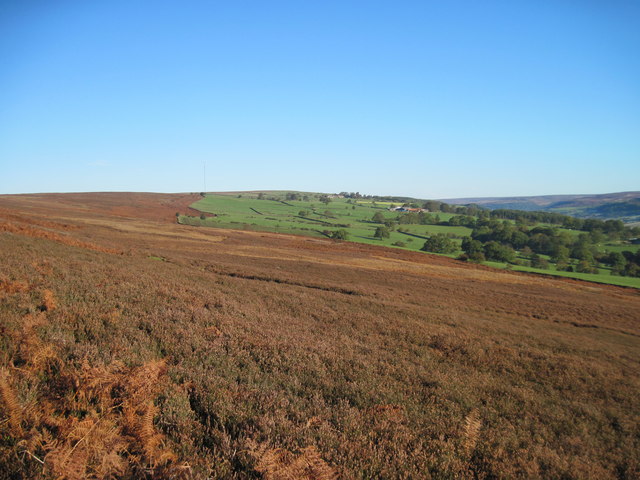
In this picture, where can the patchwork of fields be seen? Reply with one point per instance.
(282, 216)
(311, 217)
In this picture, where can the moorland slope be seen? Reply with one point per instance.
(134, 347)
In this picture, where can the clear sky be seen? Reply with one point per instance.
(431, 99)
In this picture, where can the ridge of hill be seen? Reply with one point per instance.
(621, 205)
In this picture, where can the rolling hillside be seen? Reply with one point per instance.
(623, 205)
(135, 347)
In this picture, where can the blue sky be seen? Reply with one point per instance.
(430, 99)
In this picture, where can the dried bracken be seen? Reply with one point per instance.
(8, 287)
(280, 464)
(472, 426)
(10, 403)
(48, 301)
(86, 422)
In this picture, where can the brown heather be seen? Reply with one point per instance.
(132, 347)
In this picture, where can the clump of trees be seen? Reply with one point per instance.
(499, 239)
(440, 243)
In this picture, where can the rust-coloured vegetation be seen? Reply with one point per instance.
(253, 355)
(280, 464)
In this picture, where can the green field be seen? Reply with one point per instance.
(273, 213)
(282, 216)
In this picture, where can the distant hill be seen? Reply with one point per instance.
(623, 205)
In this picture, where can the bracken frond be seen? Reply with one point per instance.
(44, 358)
(68, 463)
(146, 433)
(280, 464)
(472, 426)
(143, 381)
(11, 404)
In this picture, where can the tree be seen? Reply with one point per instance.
(439, 243)
(470, 246)
(518, 239)
(476, 257)
(560, 255)
(303, 213)
(526, 251)
(431, 205)
(539, 262)
(340, 234)
(381, 232)
(617, 260)
(325, 199)
(378, 217)
(596, 236)
(632, 270)
(496, 251)
(586, 267)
